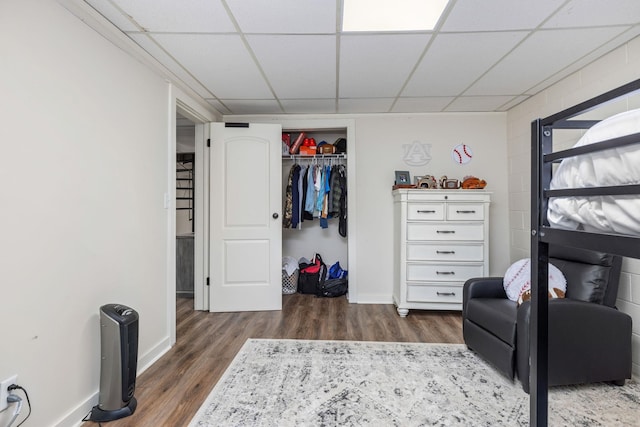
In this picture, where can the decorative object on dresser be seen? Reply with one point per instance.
(449, 184)
(427, 181)
(473, 183)
(402, 178)
(441, 239)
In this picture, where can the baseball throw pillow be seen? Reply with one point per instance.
(517, 281)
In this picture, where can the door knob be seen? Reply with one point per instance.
(275, 215)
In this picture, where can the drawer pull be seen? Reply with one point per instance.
(424, 211)
(446, 294)
(445, 252)
(466, 211)
(445, 272)
(445, 231)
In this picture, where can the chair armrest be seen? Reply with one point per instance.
(582, 336)
(482, 287)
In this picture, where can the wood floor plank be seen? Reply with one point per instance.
(170, 391)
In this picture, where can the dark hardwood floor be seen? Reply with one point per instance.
(170, 392)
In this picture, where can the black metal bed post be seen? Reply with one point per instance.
(539, 321)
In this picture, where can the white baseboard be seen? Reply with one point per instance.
(75, 416)
(364, 298)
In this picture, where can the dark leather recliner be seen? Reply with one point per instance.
(589, 339)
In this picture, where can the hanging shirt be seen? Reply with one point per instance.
(325, 198)
(310, 203)
(321, 190)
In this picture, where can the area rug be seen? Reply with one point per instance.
(346, 383)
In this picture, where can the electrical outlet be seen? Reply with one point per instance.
(4, 392)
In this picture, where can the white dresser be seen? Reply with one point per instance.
(441, 240)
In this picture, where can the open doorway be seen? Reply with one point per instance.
(191, 201)
(184, 205)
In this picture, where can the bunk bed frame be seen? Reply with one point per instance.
(542, 159)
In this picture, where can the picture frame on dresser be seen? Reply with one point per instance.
(403, 178)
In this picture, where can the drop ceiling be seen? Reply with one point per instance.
(290, 56)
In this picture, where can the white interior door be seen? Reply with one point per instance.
(245, 217)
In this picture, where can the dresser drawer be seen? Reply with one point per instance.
(465, 212)
(443, 272)
(434, 293)
(445, 252)
(444, 231)
(425, 211)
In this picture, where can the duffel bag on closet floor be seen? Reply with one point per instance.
(334, 288)
(312, 276)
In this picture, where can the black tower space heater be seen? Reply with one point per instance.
(119, 350)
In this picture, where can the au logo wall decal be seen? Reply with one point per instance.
(461, 154)
(416, 153)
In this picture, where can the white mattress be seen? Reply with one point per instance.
(616, 166)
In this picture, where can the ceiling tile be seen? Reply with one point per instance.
(498, 15)
(285, 16)
(254, 106)
(148, 44)
(292, 72)
(455, 61)
(221, 62)
(113, 14)
(364, 105)
(172, 16)
(541, 55)
(584, 13)
(377, 66)
(309, 106)
(421, 105)
(478, 103)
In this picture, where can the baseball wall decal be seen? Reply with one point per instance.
(462, 154)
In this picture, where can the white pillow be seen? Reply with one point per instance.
(517, 280)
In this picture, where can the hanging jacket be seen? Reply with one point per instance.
(342, 222)
(295, 197)
(288, 201)
(310, 202)
(303, 203)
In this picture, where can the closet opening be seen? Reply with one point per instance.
(315, 198)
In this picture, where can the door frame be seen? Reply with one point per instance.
(320, 123)
(200, 206)
(289, 123)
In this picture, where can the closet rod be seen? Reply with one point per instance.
(315, 156)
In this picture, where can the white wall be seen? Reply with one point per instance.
(612, 70)
(380, 150)
(86, 140)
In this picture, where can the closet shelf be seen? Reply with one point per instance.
(315, 156)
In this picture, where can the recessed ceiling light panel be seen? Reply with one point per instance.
(392, 15)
